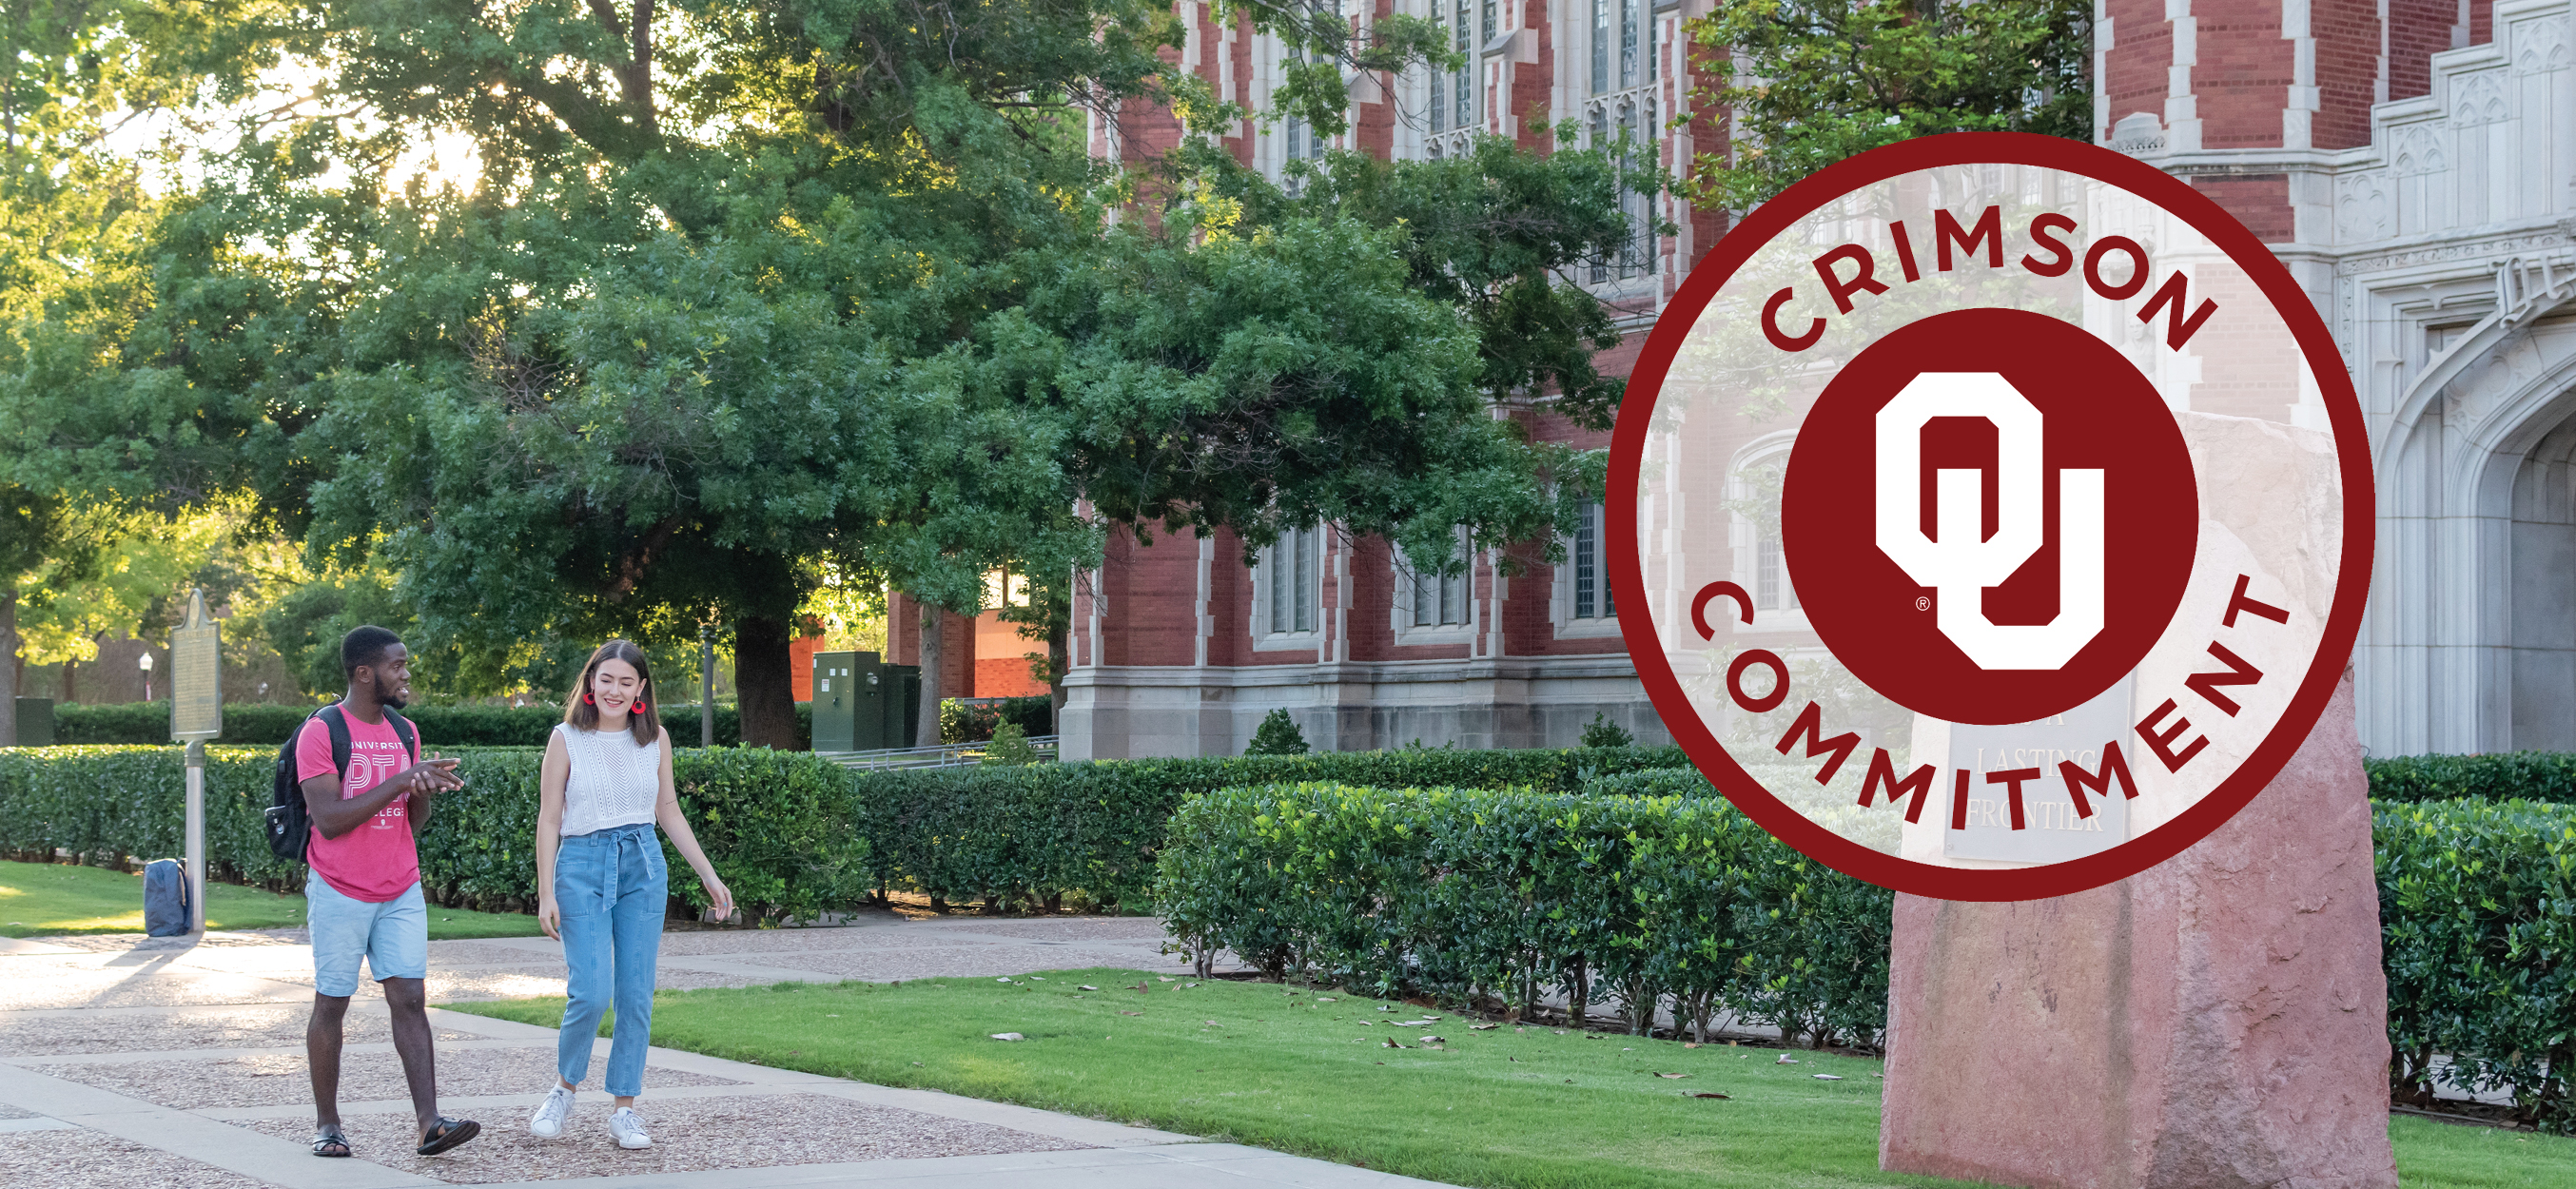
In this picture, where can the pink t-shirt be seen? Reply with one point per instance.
(377, 861)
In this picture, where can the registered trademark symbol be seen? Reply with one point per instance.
(1922, 602)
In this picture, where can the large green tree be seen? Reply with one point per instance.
(739, 293)
(99, 423)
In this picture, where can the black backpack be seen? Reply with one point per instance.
(289, 826)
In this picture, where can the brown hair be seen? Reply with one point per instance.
(641, 720)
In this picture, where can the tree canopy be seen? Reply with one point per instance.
(705, 301)
(1816, 81)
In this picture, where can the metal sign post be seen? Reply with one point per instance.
(196, 715)
(706, 689)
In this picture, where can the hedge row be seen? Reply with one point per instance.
(254, 723)
(1503, 896)
(996, 834)
(1035, 833)
(775, 824)
(2477, 910)
(2548, 776)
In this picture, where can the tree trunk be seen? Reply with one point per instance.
(931, 617)
(1057, 664)
(9, 666)
(763, 681)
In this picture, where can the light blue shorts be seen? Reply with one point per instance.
(393, 936)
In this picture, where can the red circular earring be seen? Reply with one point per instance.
(585, 697)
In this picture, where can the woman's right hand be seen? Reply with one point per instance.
(549, 917)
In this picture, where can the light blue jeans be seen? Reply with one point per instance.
(611, 887)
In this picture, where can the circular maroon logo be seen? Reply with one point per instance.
(1991, 515)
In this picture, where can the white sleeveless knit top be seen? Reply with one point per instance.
(613, 782)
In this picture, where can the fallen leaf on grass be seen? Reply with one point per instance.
(1214, 1024)
(1786, 1059)
(1705, 1094)
(1090, 988)
(1323, 999)
(1435, 1040)
(1390, 1043)
(1165, 977)
(1829, 1077)
(1672, 1075)
(1008, 1036)
(1131, 1013)
(1690, 1044)
(1001, 980)
(1483, 1027)
(1368, 1023)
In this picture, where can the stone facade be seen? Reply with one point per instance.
(2412, 162)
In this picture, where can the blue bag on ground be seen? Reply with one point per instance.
(165, 898)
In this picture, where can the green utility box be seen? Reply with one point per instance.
(35, 722)
(864, 704)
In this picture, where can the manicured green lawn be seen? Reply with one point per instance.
(37, 899)
(2430, 1152)
(1254, 1063)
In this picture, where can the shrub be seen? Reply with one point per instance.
(973, 720)
(1277, 736)
(2477, 904)
(1037, 832)
(1010, 747)
(2527, 775)
(775, 824)
(1499, 894)
(254, 723)
(1601, 732)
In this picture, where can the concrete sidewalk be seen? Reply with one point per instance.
(126, 1061)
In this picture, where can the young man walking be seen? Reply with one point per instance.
(363, 897)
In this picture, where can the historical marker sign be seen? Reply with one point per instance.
(1996, 514)
(196, 675)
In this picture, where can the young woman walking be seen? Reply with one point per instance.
(601, 879)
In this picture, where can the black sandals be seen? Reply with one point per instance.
(327, 1137)
(448, 1134)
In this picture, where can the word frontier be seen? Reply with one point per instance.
(1850, 269)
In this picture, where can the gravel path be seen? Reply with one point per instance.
(225, 1099)
(79, 1159)
(689, 1135)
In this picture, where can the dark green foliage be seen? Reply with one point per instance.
(1009, 748)
(1469, 895)
(148, 724)
(965, 834)
(1601, 732)
(972, 720)
(1821, 80)
(2528, 775)
(2477, 909)
(775, 824)
(1277, 736)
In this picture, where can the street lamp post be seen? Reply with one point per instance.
(146, 664)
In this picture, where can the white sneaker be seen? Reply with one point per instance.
(548, 1122)
(628, 1127)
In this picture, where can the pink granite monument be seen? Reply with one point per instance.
(2217, 1021)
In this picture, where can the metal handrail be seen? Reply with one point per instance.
(946, 755)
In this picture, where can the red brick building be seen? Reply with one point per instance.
(1180, 648)
(2413, 162)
